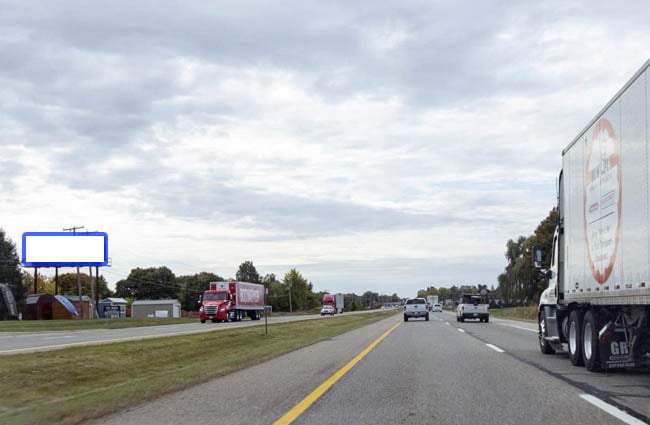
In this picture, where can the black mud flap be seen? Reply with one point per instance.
(615, 346)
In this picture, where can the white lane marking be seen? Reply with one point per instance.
(495, 348)
(518, 327)
(58, 337)
(447, 323)
(614, 411)
(461, 330)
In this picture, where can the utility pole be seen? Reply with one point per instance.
(97, 284)
(290, 306)
(92, 291)
(74, 229)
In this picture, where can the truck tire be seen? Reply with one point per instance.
(590, 342)
(487, 319)
(202, 321)
(406, 318)
(544, 346)
(575, 338)
(426, 318)
(462, 319)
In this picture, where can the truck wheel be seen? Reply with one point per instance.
(202, 321)
(544, 346)
(406, 318)
(487, 319)
(426, 318)
(462, 319)
(590, 348)
(575, 338)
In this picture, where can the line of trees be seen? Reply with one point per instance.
(292, 293)
(454, 292)
(521, 283)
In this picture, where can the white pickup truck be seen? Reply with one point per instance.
(416, 307)
(473, 307)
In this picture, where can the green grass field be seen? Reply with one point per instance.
(518, 313)
(72, 325)
(75, 384)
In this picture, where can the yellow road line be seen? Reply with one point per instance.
(299, 408)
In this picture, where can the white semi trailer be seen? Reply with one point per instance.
(597, 303)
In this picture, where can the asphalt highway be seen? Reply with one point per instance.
(418, 372)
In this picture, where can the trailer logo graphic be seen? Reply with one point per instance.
(602, 199)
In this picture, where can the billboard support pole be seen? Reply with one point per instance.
(92, 292)
(36, 280)
(97, 287)
(81, 310)
(56, 281)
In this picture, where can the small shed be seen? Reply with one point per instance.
(112, 308)
(142, 309)
(85, 308)
(38, 307)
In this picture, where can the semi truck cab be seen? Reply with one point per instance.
(215, 303)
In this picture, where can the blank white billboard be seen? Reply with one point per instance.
(47, 249)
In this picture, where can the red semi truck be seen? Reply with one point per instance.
(335, 300)
(232, 301)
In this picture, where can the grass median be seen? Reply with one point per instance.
(518, 313)
(77, 325)
(75, 384)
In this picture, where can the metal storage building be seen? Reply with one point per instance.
(112, 308)
(142, 309)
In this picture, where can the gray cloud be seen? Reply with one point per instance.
(287, 215)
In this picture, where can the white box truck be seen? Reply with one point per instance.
(597, 303)
(431, 300)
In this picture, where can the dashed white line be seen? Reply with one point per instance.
(447, 323)
(614, 411)
(461, 330)
(58, 337)
(495, 348)
(518, 327)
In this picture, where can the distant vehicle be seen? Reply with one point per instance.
(327, 309)
(416, 307)
(431, 300)
(232, 301)
(437, 308)
(334, 300)
(597, 303)
(473, 306)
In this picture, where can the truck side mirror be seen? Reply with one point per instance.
(538, 255)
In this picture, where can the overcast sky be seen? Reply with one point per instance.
(371, 145)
